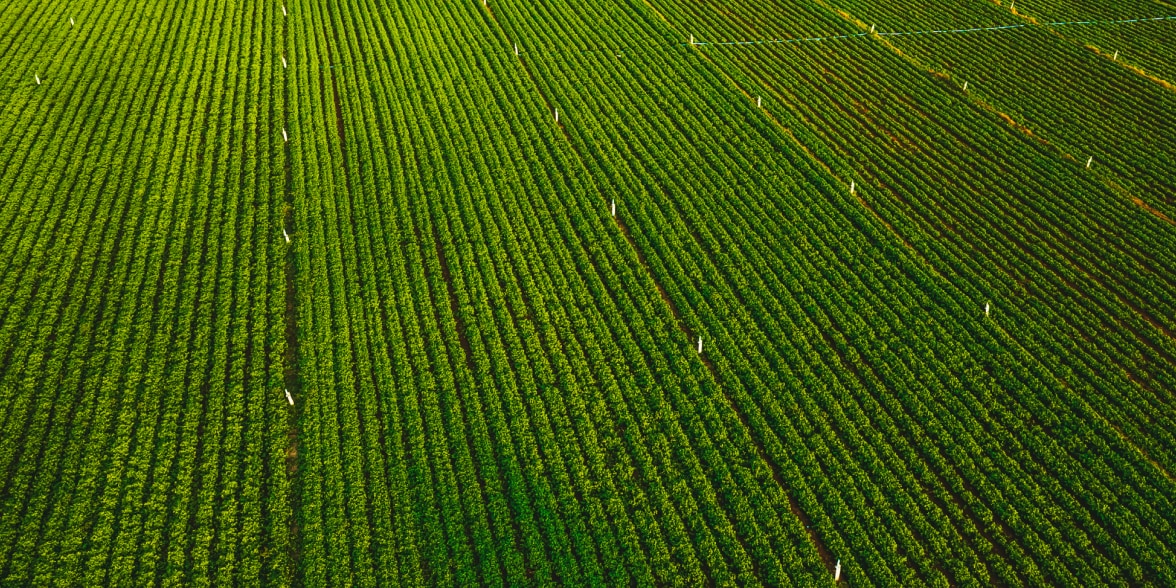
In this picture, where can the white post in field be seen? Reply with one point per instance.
(284, 10)
(289, 398)
(1089, 161)
(516, 49)
(71, 22)
(38, 78)
(852, 185)
(557, 116)
(285, 137)
(987, 308)
(1116, 57)
(837, 572)
(871, 28)
(691, 39)
(283, 62)
(285, 234)
(614, 208)
(965, 86)
(759, 102)
(700, 343)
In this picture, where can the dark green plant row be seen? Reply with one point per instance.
(689, 142)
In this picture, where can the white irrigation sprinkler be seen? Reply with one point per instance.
(285, 234)
(1089, 161)
(965, 86)
(852, 185)
(283, 62)
(38, 78)
(1116, 57)
(285, 137)
(700, 344)
(987, 309)
(614, 208)
(837, 572)
(289, 398)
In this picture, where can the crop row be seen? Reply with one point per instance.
(141, 393)
(1088, 106)
(588, 456)
(688, 142)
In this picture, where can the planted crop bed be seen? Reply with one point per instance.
(379, 292)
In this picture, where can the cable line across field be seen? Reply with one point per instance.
(932, 31)
(816, 39)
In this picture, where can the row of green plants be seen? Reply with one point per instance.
(149, 358)
(514, 289)
(704, 224)
(886, 158)
(1084, 104)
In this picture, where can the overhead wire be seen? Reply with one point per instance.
(935, 31)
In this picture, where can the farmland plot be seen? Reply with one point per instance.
(385, 292)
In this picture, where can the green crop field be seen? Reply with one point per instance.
(587, 292)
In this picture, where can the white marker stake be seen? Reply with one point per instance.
(516, 49)
(289, 398)
(1089, 161)
(851, 186)
(285, 137)
(871, 28)
(1116, 57)
(283, 10)
(837, 572)
(965, 86)
(283, 62)
(987, 308)
(285, 234)
(700, 343)
(557, 116)
(38, 78)
(691, 39)
(71, 23)
(614, 208)
(759, 102)
(1012, 3)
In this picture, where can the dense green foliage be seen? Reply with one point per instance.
(936, 346)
